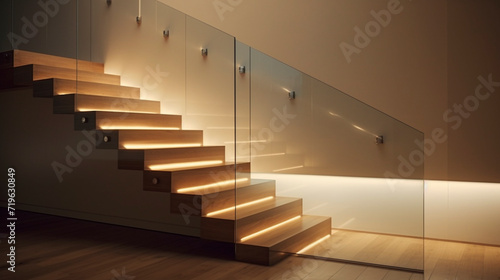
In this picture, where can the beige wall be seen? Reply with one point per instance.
(473, 37)
(424, 60)
(401, 70)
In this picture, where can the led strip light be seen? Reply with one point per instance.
(217, 184)
(184, 164)
(159, 146)
(239, 206)
(269, 229)
(314, 244)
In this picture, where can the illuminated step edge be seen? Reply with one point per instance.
(178, 165)
(212, 185)
(239, 206)
(269, 229)
(313, 244)
(125, 127)
(111, 110)
(159, 146)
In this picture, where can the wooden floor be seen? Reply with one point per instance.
(380, 249)
(49, 247)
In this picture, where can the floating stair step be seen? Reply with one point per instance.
(171, 159)
(25, 75)
(249, 220)
(172, 181)
(208, 203)
(148, 139)
(54, 87)
(277, 162)
(275, 245)
(71, 103)
(124, 120)
(15, 58)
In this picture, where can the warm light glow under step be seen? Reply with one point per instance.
(124, 127)
(79, 109)
(269, 229)
(313, 244)
(239, 206)
(213, 185)
(169, 166)
(159, 146)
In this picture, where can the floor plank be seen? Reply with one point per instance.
(55, 248)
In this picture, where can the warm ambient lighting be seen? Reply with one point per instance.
(168, 166)
(111, 110)
(246, 142)
(269, 229)
(159, 146)
(288, 168)
(125, 127)
(269, 155)
(239, 206)
(217, 184)
(314, 244)
(364, 130)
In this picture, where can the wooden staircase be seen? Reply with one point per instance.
(265, 228)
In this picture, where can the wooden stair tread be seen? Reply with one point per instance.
(222, 200)
(118, 120)
(138, 139)
(25, 75)
(53, 87)
(251, 183)
(201, 168)
(172, 180)
(280, 234)
(277, 244)
(261, 207)
(15, 58)
(71, 103)
(146, 159)
(230, 226)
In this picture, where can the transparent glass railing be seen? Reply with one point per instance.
(312, 150)
(345, 159)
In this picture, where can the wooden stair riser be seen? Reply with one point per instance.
(52, 87)
(104, 120)
(270, 254)
(263, 220)
(124, 139)
(213, 228)
(172, 181)
(26, 75)
(207, 203)
(71, 103)
(15, 58)
(143, 159)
